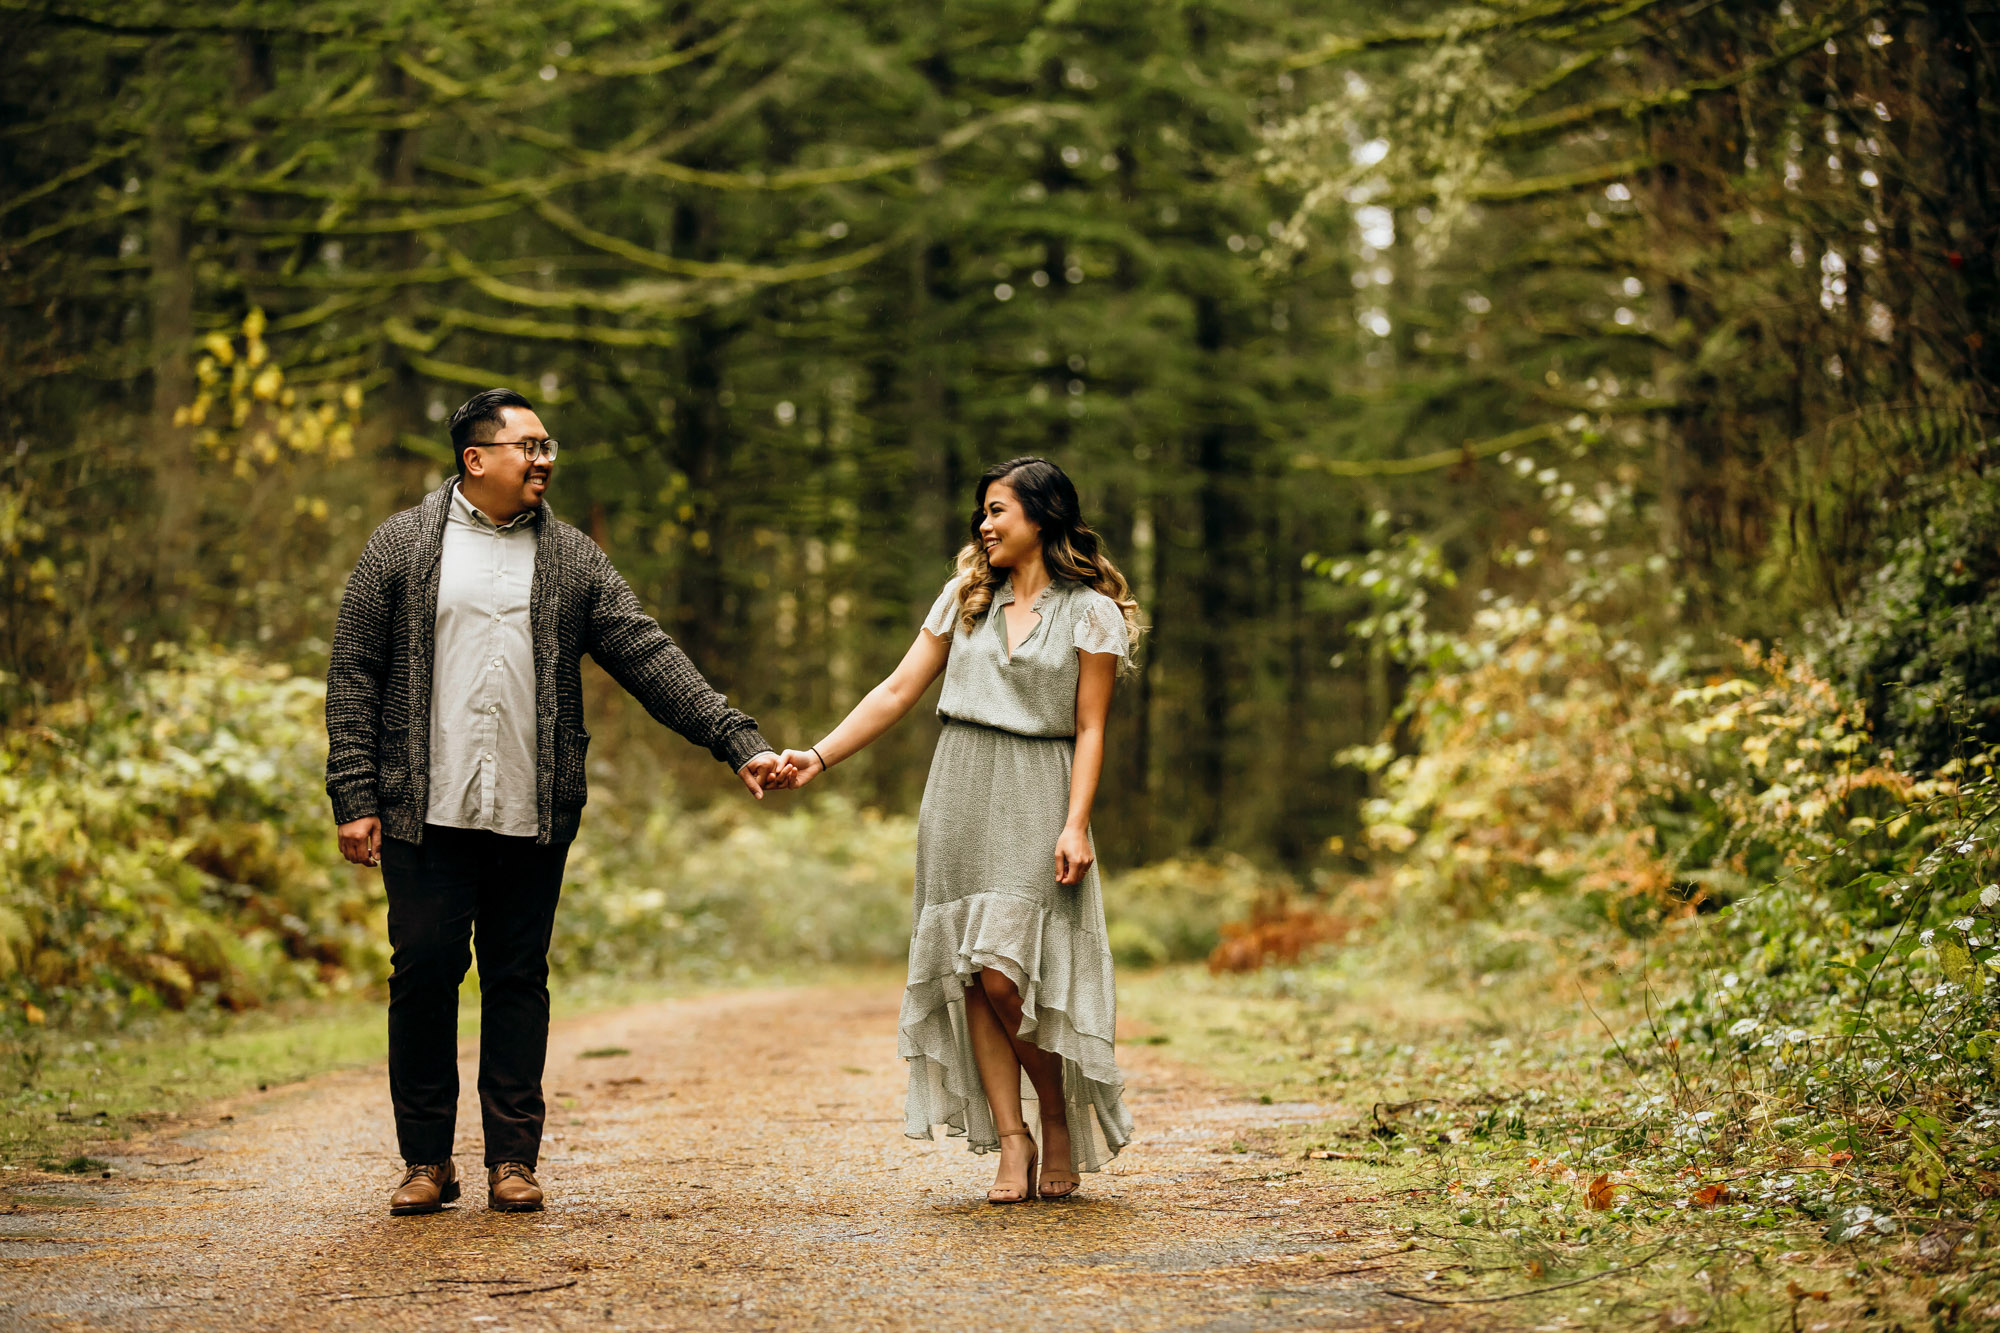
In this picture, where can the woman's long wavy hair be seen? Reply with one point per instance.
(1070, 548)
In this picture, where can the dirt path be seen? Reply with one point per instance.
(742, 1168)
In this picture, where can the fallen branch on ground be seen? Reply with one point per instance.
(1534, 1291)
(529, 1291)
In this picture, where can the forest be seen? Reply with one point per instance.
(1549, 440)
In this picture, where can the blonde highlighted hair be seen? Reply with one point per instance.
(1070, 548)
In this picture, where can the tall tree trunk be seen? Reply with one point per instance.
(1218, 587)
(177, 488)
(402, 414)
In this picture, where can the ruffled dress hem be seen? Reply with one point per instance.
(961, 937)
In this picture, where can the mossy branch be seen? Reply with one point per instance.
(536, 330)
(519, 94)
(128, 25)
(578, 230)
(655, 298)
(1427, 35)
(76, 173)
(1631, 108)
(1468, 452)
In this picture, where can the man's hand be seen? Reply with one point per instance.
(361, 841)
(761, 771)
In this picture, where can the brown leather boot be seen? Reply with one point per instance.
(426, 1187)
(511, 1188)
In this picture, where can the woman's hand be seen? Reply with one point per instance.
(801, 767)
(1073, 856)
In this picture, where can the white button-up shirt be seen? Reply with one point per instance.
(483, 686)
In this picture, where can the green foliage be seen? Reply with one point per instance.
(1582, 811)
(166, 844)
(713, 255)
(1709, 257)
(652, 889)
(1174, 911)
(1920, 640)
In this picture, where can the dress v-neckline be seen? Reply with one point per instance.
(1034, 609)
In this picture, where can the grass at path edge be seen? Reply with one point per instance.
(1474, 1122)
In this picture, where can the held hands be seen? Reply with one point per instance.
(1073, 856)
(772, 772)
(762, 771)
(801, 767)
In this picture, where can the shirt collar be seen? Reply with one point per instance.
(1004, 595)
(469, 512)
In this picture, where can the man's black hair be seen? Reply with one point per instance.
(478, 420)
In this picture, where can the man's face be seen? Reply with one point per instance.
(505, 472)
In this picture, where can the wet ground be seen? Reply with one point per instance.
(742, 1166)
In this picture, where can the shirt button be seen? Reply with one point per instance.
(488, 756)
(499, 616)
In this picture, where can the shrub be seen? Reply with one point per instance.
(652, 888)
(1567, 796)
(1920, 646)
(1176, 911)
(167, 843)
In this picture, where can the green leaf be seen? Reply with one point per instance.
(1957, 963)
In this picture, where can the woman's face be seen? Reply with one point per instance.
(1007, 533)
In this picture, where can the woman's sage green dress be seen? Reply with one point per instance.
(986, 893)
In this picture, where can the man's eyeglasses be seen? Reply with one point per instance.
(535, 451)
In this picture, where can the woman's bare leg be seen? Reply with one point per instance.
(1044, 1068)
(1000, 1075)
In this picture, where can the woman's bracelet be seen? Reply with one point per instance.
(822, 758)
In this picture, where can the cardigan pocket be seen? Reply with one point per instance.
(392, 765)
(571, 790)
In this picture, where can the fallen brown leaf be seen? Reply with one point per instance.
(1598, 1196)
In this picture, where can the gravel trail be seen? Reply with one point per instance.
(743, 1167)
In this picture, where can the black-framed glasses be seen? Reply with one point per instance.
(535, 451)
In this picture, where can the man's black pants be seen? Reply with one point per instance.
(458, 890)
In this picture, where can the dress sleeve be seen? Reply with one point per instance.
(943, 619)
(1100, 627)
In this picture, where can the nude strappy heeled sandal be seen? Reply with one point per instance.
(999, 1195)
(1066, 1181)
(1061, 1178)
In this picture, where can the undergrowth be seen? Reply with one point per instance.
(1776, 941)
(166, 845)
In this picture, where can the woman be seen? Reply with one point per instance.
(1009, 973)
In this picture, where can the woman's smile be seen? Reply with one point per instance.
(1006, 534)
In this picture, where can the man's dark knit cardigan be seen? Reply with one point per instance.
(378, 683)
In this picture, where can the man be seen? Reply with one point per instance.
(454, 718)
